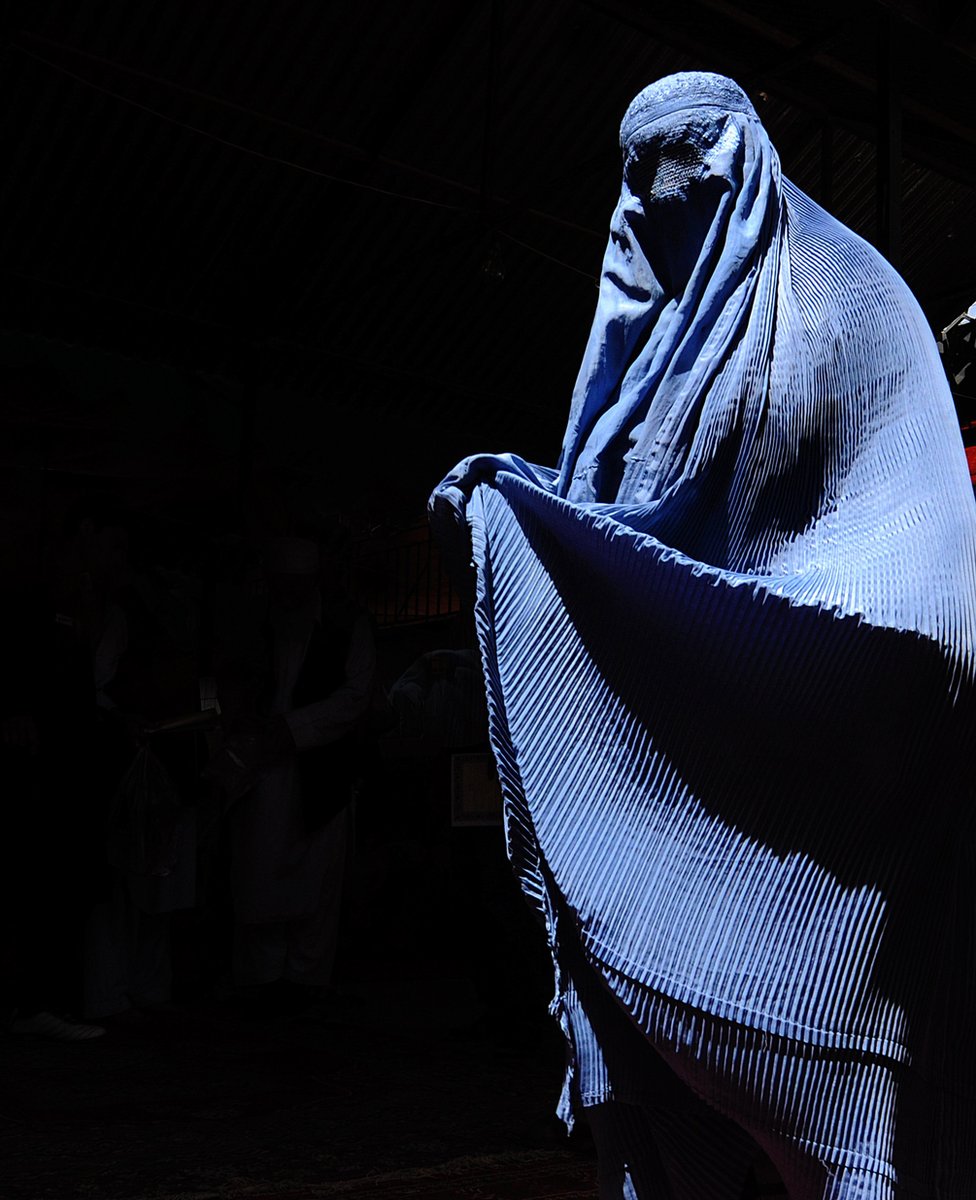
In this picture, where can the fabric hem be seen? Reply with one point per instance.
(725, 1010)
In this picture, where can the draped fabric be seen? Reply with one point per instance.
(729, 649)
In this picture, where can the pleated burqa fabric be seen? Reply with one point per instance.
(729, 649)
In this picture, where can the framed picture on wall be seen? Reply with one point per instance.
(476, 794)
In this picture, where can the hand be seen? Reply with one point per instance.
(231, 773)
(248, 725)
(260, 742)
(132, 727)
(237, 764)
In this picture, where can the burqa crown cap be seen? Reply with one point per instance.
(679, 93)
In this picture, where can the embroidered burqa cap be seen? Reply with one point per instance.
(729, 650)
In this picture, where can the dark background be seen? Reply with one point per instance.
(356, 241)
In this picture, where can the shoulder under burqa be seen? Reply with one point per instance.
(729, 640)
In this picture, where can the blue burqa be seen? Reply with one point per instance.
(729, 649)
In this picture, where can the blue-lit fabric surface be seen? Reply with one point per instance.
(729, 652)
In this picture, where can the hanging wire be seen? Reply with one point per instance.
(285, 162)
(558, 261)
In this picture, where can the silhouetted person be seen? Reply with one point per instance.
(145, 673)
(291, 768)
(55, 755)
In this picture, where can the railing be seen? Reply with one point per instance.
(400, 579)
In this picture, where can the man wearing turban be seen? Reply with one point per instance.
(291, 771)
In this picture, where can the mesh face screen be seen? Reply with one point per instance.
(662, 167)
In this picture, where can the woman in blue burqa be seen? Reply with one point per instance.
(728, 644)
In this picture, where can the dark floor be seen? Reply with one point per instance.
(432, 1075)
(438, 1049)
(200, 1101)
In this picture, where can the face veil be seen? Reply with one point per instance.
(688, 283)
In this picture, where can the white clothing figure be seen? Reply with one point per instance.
(290, 832)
